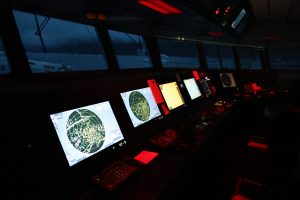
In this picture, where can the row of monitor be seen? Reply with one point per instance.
(84, 131)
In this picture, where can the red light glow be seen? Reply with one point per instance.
(258, 145)
(145, 156)
(165, 109)
(216, 33)
(160, 6)
(196, 75)
(155, 91)
(239, 197)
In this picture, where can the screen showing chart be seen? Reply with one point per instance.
(192, 88)
(86, 131)
(172, 95)
(140, 105)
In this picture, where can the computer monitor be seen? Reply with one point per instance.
(87, 130)
(192, 88)
(140, 105)
(172, 95)
(227, 80)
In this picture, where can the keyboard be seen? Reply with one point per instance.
(115, 174)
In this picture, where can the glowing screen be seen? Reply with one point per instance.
(140, 105)
(87, 130)
(192, 88)
(171, 95)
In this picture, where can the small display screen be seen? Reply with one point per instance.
(86, 131)
(192, 88)
(172, 95)
(140, 105)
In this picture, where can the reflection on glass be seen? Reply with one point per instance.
(54, 45)
(4, 65)
(178, 54)
(130, 49)
(249, 58)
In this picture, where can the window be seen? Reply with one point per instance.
(54, 45)
(4, 65)
(249, 58)
(286, 58)
(178, 54)
(130, 50)
(220, 57)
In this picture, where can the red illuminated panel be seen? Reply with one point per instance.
(239, 197)
(165, 109)
(196, 75)
(160, 6)
(216, 33)
(258, 145)
(155, 91)
(145, 156)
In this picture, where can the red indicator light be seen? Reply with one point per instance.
(217, 11)
(160, 6)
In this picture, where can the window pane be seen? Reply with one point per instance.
(227, 57)
(178, 54)
(4, 65)
(284, 58)
(249, 58)
(220, 57)
(63, 45)
(212, 56)
(130, 50)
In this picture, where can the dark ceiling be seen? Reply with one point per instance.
(271, 22)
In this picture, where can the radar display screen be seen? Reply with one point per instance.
(85, 131)
(140, 105)
(227, 80)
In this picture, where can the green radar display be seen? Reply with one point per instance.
(85, 131)
(139, 106)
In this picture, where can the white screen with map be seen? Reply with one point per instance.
(87, 130)
(192, 88)
(140, 105)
